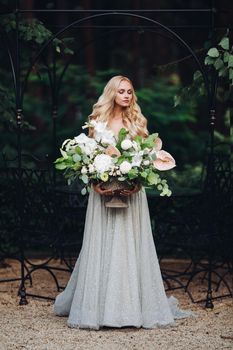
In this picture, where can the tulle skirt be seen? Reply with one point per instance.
(116, 280)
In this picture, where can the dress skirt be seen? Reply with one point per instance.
(116, 280)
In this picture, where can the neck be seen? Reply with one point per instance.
(117, 112)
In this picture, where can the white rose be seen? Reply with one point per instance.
(146, 162)
(125, 167)
(82, 138)
(102, 163)
(84, 170)
(126, 144)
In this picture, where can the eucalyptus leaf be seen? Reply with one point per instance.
(76, 157)
(83, 191)
(84, 178)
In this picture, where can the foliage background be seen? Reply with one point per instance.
(158, 66)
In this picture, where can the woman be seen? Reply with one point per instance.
(116, 280)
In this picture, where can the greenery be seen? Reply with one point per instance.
(177, 124)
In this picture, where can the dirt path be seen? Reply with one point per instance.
(35, 327)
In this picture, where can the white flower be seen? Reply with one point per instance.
(118, 172)
(135, 145)
(99, 127)
(108, 138)
(91, 168)
(82, 138)
(83, 170)
(126, 144)
(137, 159)
(90, 146)
(146, 162)
(125, 167)
(102, 163)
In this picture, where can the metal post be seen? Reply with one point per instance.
(22, 289)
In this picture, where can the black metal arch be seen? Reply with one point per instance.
(210, 86)
(115, 13)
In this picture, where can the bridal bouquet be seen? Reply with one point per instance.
(105, 158)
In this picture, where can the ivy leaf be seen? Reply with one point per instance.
(197, 75)
(226, 56)
(213, 52)
(230, 61)
(218, 63)
(224, 43)
(209, 60)
(223, 72)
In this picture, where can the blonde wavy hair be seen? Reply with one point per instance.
(133, 119)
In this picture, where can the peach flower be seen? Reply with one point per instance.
(158, 144)
(164, 161)
(111, 150)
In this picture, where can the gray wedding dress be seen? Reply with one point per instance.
(117, 280)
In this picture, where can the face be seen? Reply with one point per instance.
(124, 94)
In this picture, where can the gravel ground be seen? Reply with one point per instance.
(35, 327)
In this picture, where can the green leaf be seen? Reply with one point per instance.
(223, 72)
(218, 63)
(76, 157)
(84, 178)
(59, 160)
(83, 191)
(213, 52)
(60, 166)
(230, 61)
(230, 73)
(58, 49)
(121, 178)
(78, 150)
(209, 60)
(197, 75)
(226, 56)
(152, 178)
(133, 173)
(224, 43)
(144, 174)
(121, 136)
(177, 100)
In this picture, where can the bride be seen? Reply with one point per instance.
(116, 280)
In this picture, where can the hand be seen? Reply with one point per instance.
(125, 192)
(99, 190)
